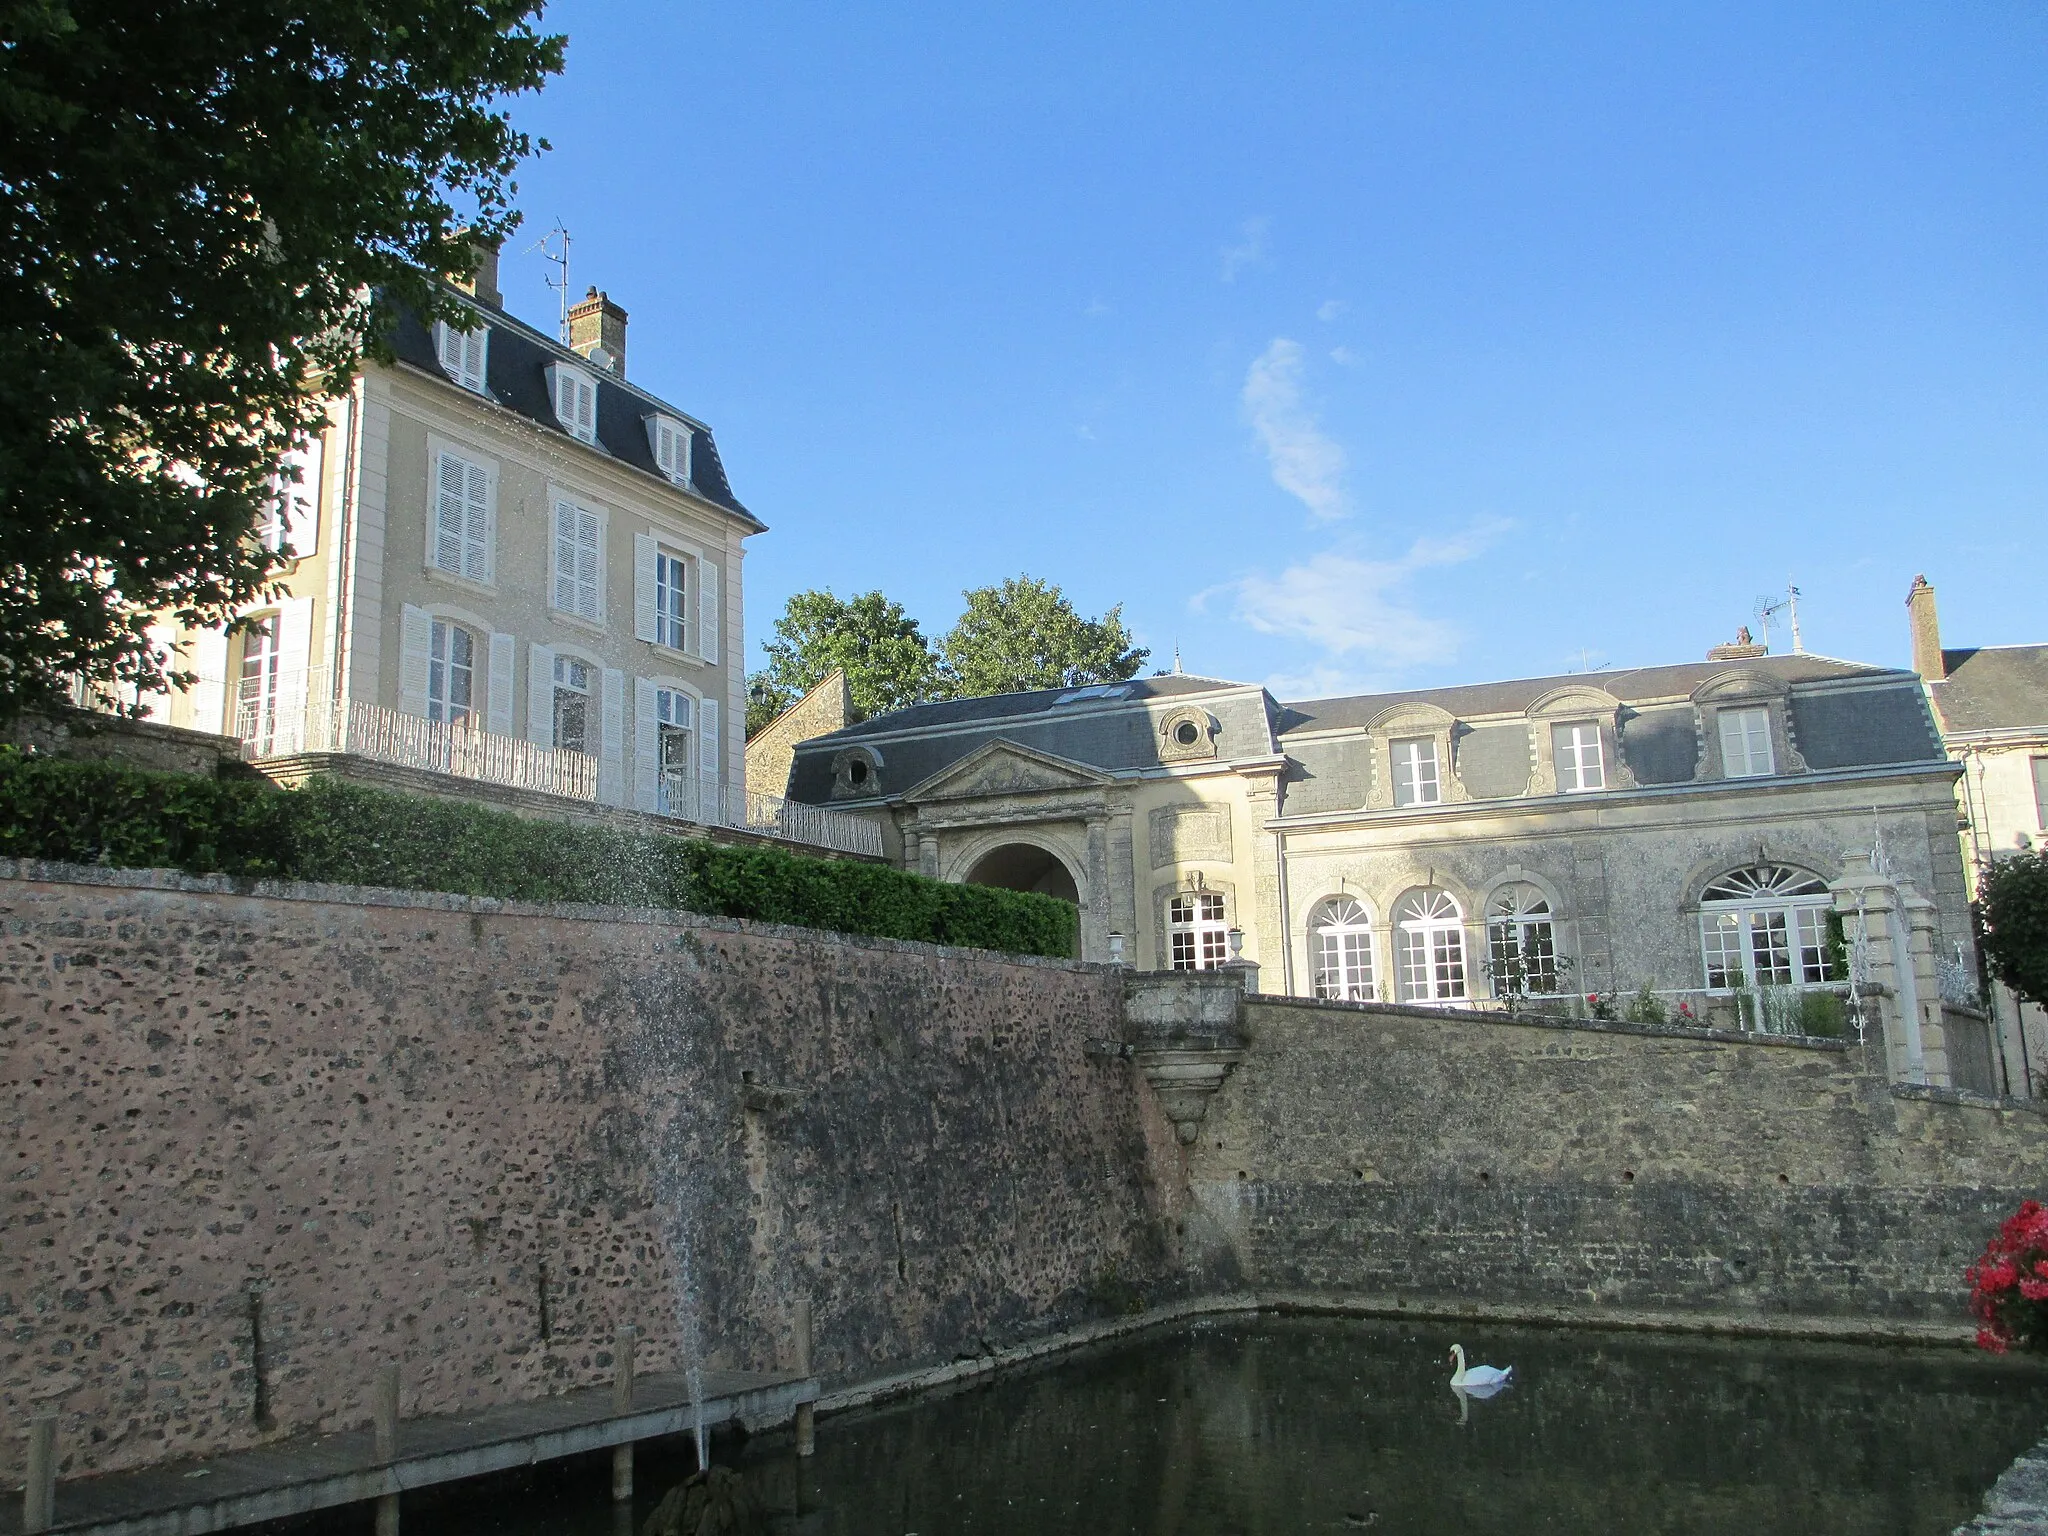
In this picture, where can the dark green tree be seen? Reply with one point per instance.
(886, 658)
(1025, 634)
(208, 205)
(2012, 904)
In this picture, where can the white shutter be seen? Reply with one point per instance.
(473, 359)
(498, 691)
(540, 696)
(565, 557)
(294, 662)
(644, 549)
(302, 501)
(611, 753)
(683, 438)
(210, 693)
(710, 613)
(444, 532)
(663, 442)
(589, 588)
(476, 522)
(586, 410)
(707, 759)
(415, 637)
(646, 744)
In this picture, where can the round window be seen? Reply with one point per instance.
(1187, 733)
(856, 771)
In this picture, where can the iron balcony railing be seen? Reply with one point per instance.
(686, 798)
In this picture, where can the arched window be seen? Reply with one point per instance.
(1429, 947)
(1199, 936)
(1521, 944)
(675, 779)
(1340, 940)
(451, 674)
(1765, 927)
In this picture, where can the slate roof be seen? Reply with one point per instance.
(1018, 706)
(515, 377)
(1994, 688)
(1632, 686)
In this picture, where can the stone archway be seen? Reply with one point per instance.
(1025, 867)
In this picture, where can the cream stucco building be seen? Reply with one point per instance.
(507, 563)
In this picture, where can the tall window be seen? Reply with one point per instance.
(1199, 936)
(575, 401)
(671, 448)
(1746, 743)
(1340, 939)
(1415, 772)
(572, 704)
(1521, 944)
(451, 674)
(462, 517)
(1765, 927)
(578, 563)
(1575, 749)
(2040, 766)
(1429, 947)
(256, 702)
(671, 580)
(677, 786)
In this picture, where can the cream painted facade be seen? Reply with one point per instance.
(436, 579)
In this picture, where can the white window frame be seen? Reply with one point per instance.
(1520, 926)
(1746, 727)
(672, 626)
(1760, 915)
(1429, 947)
(563, 683)
(676, 784)
(442, 671)
(1578, 756)
(256, 679)
(1409, 756)
(473, 538)
(464, 355)
(1341, 960)
(1197, 930)
(671, 442)
(573, 393)
(585, 589)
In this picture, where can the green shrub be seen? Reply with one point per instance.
(1824, 1014)
(1645, 1006)
(350, 834)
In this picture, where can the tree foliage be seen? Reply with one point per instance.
(887, 660)
(2012, 902)
(1025, 634)
(201, 200)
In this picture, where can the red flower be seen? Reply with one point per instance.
(2034, 1290)
(2009, 1282)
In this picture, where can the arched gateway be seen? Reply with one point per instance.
(1025, 867)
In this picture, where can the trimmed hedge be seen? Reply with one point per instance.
(350, 834)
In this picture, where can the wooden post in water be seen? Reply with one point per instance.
(39, 1493)
(806, 1428)
(384, 1419)
(622, 1404)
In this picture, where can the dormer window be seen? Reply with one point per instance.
(462, 354)
(670, 440)
(575, 394)
(1415, 772)
(1746, 743)
(1575, 749)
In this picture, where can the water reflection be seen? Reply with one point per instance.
(1282, 1427)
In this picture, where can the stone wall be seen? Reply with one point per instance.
(1368, 1148)
(256, 1141)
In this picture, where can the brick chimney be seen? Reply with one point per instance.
(597, 330)
(483, 283)
(1926, 631)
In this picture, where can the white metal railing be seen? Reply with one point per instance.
(686, 798)
(412, 741)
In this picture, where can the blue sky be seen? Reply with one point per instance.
(1348, 346)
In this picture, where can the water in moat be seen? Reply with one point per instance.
(1278, 1426)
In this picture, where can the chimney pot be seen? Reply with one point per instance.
(596, 323)
(1926, 628)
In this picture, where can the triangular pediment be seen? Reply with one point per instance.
(1006, 768)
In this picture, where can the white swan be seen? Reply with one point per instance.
(1478, 1379)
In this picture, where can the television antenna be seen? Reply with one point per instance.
(554, 248)
(1768, 609)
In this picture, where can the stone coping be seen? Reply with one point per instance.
(1547, 1021)
(43, 872)
(1932, 1094)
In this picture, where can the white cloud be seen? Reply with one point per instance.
(1355, 610)
(1306, 463)
(1343, 357)
(1330, 309)
(1250, 249)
